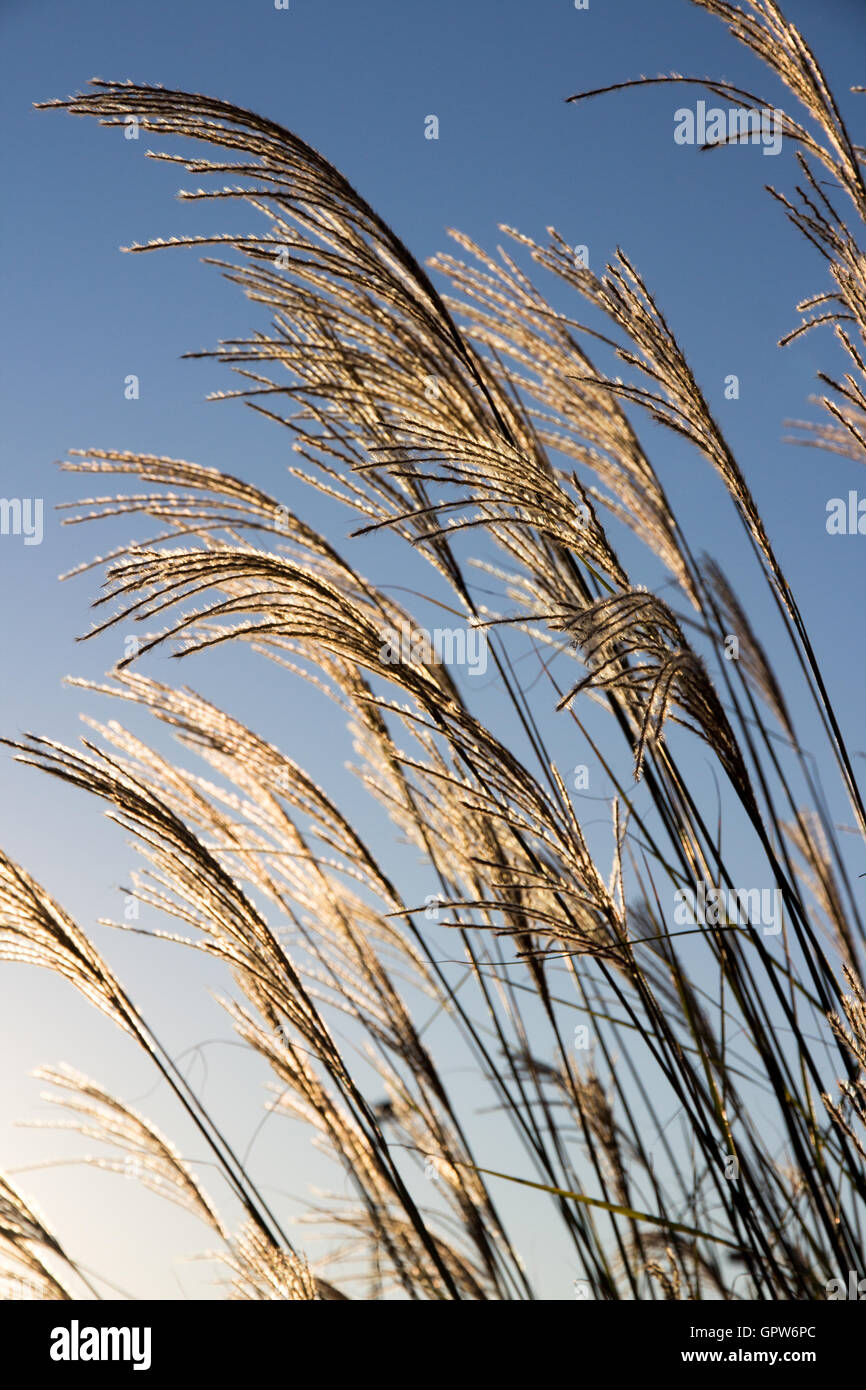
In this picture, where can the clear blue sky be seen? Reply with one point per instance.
(357, 81)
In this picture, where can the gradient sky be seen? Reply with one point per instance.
(356, 81)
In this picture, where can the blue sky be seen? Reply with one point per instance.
(357, 82)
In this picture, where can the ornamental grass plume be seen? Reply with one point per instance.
(508, 477)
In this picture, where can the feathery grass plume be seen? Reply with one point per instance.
(237, 935)
(263, 1273)
(848, 439)
(808, 837)
(147, 1153)
(574, 416)
(154, 1161)
(478, 423)
(852, 1092)
(751, 653)
(640, 624)
(679, 403)
(34, 930)
(668, 1275)
(23, 1234)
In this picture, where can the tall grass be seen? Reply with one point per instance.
(709, 1141)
